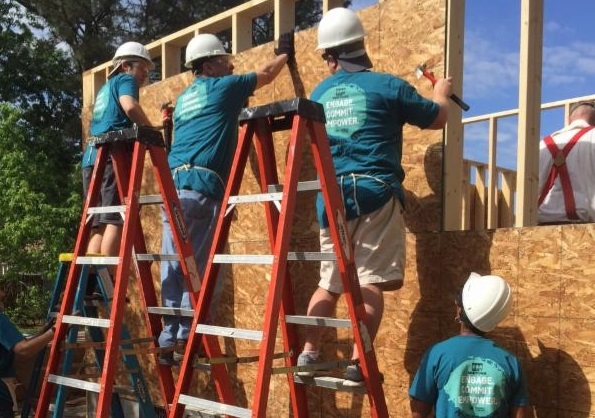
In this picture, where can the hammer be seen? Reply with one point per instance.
(166, 115)
(421, 71)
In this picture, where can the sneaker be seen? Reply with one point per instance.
(355, 378)
(178, 354)
(305, 360)
(166, 358)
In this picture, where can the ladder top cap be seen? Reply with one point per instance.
(300, 106)
(138, 133)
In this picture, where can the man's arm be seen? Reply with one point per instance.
(419, 409)
(133, 110)
(270, 70)
(31, 346)
(441, 93)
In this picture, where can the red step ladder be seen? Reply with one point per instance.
(128, 167)
(304, 119)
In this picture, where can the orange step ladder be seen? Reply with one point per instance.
(304, 119)
(128, 168)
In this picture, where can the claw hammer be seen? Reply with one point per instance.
(422, 71)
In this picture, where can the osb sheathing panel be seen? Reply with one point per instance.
(549, 268)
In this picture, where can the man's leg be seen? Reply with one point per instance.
(322, 303)
(374, 304)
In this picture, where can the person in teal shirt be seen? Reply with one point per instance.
(205, 135)
(469, 375)
(116, 107)
(13, 344)
(365, 114)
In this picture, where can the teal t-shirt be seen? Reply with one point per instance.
(206, 132)
(365, 114)
(470, 376)
(9, 337)
(108, 115)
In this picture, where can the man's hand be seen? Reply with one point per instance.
(286, 45)
(49, 325)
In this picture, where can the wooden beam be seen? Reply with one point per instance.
(529, 111)
(284, 17)
(452, 201)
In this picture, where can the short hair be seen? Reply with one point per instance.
(576, 105)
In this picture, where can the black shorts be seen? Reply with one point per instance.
(108, 197)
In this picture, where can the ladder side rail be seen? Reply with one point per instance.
(119, 162)
(74, 272)
(279, 267)
(265, 151)
(345, 260)
(40, 358)
(130, 360)
(202, 306)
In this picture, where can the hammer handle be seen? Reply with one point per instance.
(453, 96)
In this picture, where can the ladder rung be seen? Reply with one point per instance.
(157, 257)
(275, 193)
(210, 406)
(74, 383)
(113, 261)
(318, 321)
(98, 260)
(150, 199)
(269, 258)
(86, 321)
(107, 209)
(170, 311)
(329, 382)
(302, 186)
(246, 334)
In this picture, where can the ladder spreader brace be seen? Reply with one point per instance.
(302, 117)
(128, 168)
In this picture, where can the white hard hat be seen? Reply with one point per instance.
(339, 26)
(203, 46)
(130, 50)
(486, 301)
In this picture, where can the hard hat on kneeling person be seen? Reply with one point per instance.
(203, 45)
(486, 301)
(130, 51)
(339, 26)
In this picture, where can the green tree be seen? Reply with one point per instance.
(40, 131)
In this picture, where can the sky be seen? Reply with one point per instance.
(491, 66)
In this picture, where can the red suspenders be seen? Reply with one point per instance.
(559, 169)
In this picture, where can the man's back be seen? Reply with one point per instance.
(573, 175)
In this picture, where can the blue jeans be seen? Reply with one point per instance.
(200, 213)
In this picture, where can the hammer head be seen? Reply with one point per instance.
(419, 70)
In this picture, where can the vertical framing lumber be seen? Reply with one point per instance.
(453, 140)
(529, 111)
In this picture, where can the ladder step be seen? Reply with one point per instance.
(229, 332)
(303, 186)
(86, 321)
(329, 382)
(170, 311)
(74, 383)
(275, 193)
(210, 406)
(151, 199)
(107, 209)
(269, 258)
(113, 261)
(318, 321)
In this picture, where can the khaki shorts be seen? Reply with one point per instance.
(379, 242)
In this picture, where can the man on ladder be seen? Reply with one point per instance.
(205, 136)
(567, 169)
(365, 113)
(116, 107)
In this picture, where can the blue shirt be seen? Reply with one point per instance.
(9, 337)
(365, 114)
(206, 132)
(470, 376)
(108, 115)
